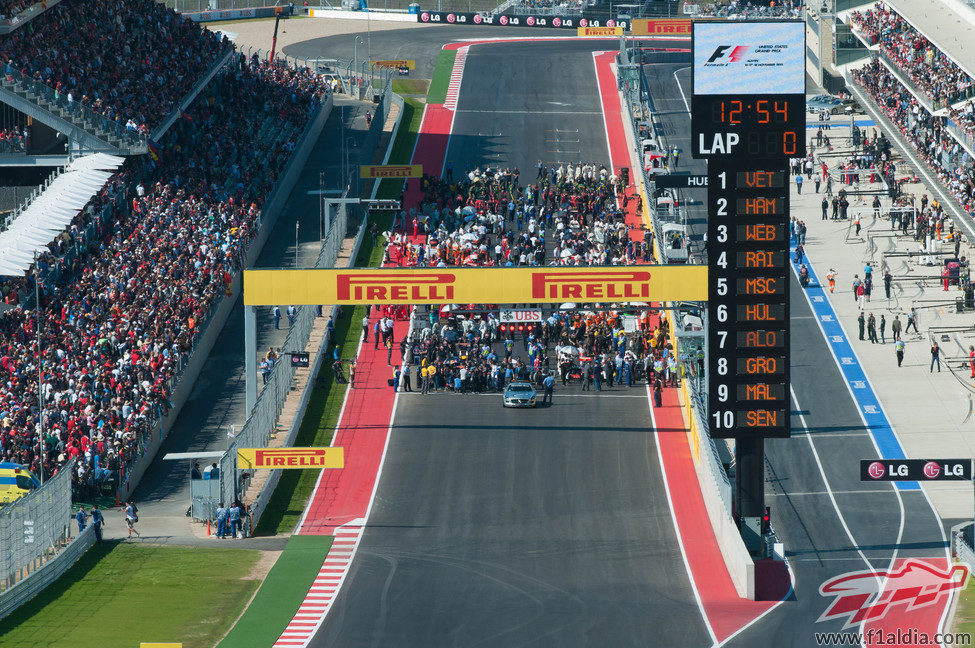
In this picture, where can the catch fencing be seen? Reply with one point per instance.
(261, 424)
(35, 528)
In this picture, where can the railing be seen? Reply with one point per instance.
(215, 5)
(935, 103)
(15, 22)
(962, 136)
(520, 8)
(12, 216)
(35, 528)
(260, 425)
(74, 112)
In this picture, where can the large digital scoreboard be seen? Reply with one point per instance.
(748, 119)
(748, 298)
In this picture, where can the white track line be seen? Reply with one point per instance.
(456, 77)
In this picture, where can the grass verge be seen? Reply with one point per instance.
(411, 86)
(120, 594)
(281, 593)
(441, 77)
(322, 416)
(964, 619)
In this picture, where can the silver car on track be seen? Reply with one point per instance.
(519, 394)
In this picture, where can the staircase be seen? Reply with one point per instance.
(86, 129)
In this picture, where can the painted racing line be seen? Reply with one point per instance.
(915, 625)
(871, 411)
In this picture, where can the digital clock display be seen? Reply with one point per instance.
(757, 126)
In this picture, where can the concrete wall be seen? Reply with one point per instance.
(717, 499)
(717, 496)
(269, 216)
(260, 503)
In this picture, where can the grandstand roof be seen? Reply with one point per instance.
(949, 24)
(51, 212)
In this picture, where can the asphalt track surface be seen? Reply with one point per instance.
(519, 103)
(818, 546)
(422, 44)
(668, 75)
(544, 527)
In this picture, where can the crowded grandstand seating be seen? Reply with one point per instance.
(129, 60)
(10, 8)
(925, 132)
(753, 9)
(12, 140)
(124, 299)
(923, 63)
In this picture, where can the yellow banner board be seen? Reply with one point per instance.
(160, 645)
(600, 31)
(660, 27)
(584, 285)
(252, 458)
(391, 171)
(407, 63)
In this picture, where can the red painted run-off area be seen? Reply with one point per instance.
(726, 612)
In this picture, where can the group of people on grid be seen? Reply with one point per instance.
(568, 216)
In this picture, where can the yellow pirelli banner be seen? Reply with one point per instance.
(254, 458)
(600, 31)
(660, 27)
(583, 285)
(391, 171)
(398, 63)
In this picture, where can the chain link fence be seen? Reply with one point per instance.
(260, 425)
(35, 528)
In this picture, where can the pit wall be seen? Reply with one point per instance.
(715, 486)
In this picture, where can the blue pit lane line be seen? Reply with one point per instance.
(862, 123)
(872, 412)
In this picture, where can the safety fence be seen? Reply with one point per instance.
(261, 424)
(222, 5)
(688, 331)
(35, 528)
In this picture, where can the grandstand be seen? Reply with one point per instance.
(129, 263)
(925, 91)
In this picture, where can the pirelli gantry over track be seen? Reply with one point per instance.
(585, 285)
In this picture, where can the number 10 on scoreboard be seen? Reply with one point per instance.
(748, 298)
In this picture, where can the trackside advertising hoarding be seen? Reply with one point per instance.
(583, 285)
(506, 20)
(915, 470)
(254, 458)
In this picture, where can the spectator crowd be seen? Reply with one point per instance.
(129, 60)
(13, 140)
(568, 215)
(121, 310)
(10, 8)
(928, 134)
(925, 65)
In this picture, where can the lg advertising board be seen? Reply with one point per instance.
(507, 20)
